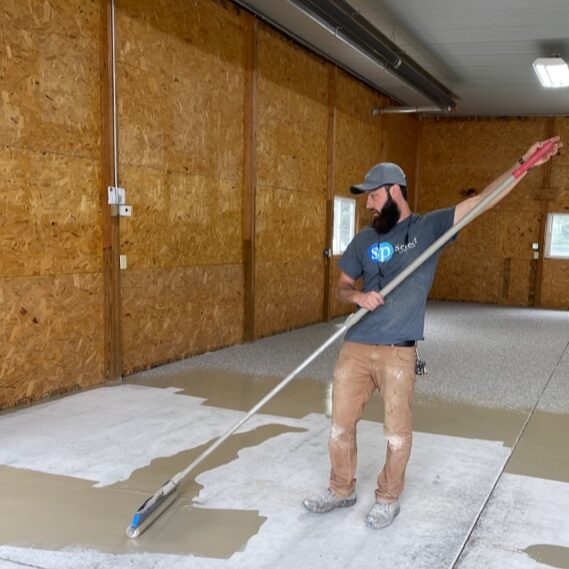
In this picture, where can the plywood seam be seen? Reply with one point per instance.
(47, 152)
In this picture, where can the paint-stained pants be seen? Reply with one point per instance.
(360, 370)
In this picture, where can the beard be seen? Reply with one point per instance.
(387, 218)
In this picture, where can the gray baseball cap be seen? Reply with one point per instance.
(380, 175)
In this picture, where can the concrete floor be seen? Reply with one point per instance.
(487, 484)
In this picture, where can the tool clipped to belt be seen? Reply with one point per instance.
(420, 366)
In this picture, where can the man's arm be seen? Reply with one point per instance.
(347, 292)
(464, 207)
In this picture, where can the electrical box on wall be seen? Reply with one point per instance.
(117, 201)
(117, 196)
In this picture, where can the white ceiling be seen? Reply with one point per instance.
(481, 50)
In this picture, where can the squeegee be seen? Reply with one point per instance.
(156, 504)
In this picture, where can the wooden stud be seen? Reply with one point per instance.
(111, 239)
(250, 179)
(328, 259)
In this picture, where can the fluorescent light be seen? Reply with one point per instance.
(552, 71)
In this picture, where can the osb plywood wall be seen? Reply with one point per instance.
(182, 89)
(292, 126)
(492, 260)
(51, 329)
(400, 144)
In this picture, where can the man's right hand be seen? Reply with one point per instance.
(347, 292)
(370, 300)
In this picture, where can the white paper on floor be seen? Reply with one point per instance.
(447, 481)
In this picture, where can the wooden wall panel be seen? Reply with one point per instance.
(482, 278)
(50, 231)
(172, 313)
(181, 85)
(555, 288)
(51, 222)
(285, 301)
(518, 276)
(50, 336)
(478, 282)
(49, 72)
(492, 259)
(180, 220)
(560, 199)
(517, 231)
(400, 136)
(292, 126)
(284, 232)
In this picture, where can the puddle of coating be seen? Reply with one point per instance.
(45, 511)
(302, 396)
(542, 451)
(552, 555)
(227, 390)
(468, 421)
(150, 478)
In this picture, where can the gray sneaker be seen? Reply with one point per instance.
(382, 514)
(328, 501)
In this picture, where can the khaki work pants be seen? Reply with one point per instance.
(360, 370)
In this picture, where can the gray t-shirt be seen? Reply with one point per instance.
(379, 259)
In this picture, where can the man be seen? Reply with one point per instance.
(379, 351)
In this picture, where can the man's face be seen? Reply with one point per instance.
(386, 212)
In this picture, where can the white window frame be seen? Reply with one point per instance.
(554, 249)
(339, 245)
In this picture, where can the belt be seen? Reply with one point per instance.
(406, 344)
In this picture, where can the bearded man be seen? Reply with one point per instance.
(380, 351)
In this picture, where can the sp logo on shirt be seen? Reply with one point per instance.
(380, 252)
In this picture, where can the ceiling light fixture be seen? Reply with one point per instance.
(552, 71)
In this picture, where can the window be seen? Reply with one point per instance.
(344, 223)
(557, 236)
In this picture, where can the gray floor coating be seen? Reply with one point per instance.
(507, 368)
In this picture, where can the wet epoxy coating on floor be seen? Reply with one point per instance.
(49, 507)
(240, 392)
(75, 469)
(549, 555)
